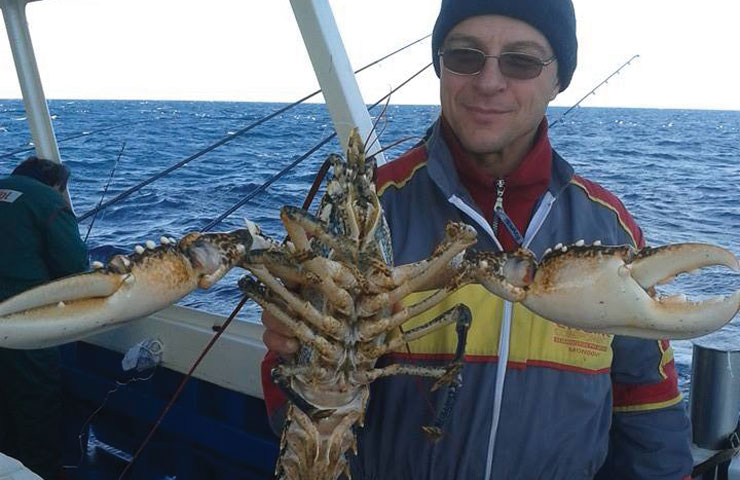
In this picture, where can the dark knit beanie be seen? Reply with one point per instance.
(555, 19)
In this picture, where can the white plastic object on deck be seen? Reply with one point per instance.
(12, 469)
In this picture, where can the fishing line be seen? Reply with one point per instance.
(83, 134)
(299, 160)
(269, 182)
(102, 197)
(86, 423)
(378, 133)
(593, 90)
(227, 139)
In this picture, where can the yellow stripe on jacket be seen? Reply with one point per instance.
(534, 340)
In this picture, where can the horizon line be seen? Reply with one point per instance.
(632, 107)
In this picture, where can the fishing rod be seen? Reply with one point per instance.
(593, 90)
(229, 138)
(105, 190)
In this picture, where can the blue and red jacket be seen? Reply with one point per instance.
(576, 405)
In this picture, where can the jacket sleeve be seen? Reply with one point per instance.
(65, 252)
(650, 438)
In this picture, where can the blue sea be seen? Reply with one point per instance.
(678, 172)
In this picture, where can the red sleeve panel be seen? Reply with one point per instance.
(656, 386)
(599, 194)
(274, 398)
(399, 171)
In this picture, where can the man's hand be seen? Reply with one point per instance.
(277, 337)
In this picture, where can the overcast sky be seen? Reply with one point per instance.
(251, 50)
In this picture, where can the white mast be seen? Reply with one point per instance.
(334, 72)
(39, 121)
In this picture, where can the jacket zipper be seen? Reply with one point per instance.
(538, 219)
(499, 205)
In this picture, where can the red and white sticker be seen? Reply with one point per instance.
(9, 196)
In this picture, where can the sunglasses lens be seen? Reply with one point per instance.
(519, 65)
(466, 61)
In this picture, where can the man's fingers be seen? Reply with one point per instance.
(280, 344)
(275, 325)
(278, 337)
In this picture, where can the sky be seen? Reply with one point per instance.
(251, 50)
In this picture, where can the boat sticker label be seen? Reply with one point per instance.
(9, 196)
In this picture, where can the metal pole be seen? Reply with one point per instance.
(37, 112)
(334, 72)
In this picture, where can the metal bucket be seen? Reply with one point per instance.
(715, 392)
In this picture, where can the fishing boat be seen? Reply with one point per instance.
(218, 428)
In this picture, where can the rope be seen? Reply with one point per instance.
(225, 140)
(719, 458)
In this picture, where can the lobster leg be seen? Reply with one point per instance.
(304, 309)
(366, 378)
(314, 271)
(437, 265)
(291, 268)
(449, 317)
(450, 375)
(302, 331)
(460, 314)
(371, 329)
(300, 224)
(458, 237)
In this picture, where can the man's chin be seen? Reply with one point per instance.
(483, 146)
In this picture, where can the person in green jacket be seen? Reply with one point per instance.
(39, 242)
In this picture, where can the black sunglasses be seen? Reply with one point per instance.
(470, 61)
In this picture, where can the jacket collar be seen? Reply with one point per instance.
(442, 171)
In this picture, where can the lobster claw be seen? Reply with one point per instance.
(128, 287)
(606, 289)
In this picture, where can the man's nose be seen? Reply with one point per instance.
(490, 77)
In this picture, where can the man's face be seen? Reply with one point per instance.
(489, 112)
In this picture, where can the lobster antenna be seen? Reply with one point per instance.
(381, 115)
(593, 90)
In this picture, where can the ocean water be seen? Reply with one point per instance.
(677, 171)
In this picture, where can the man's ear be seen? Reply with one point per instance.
(60, 187)
(555, 90)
